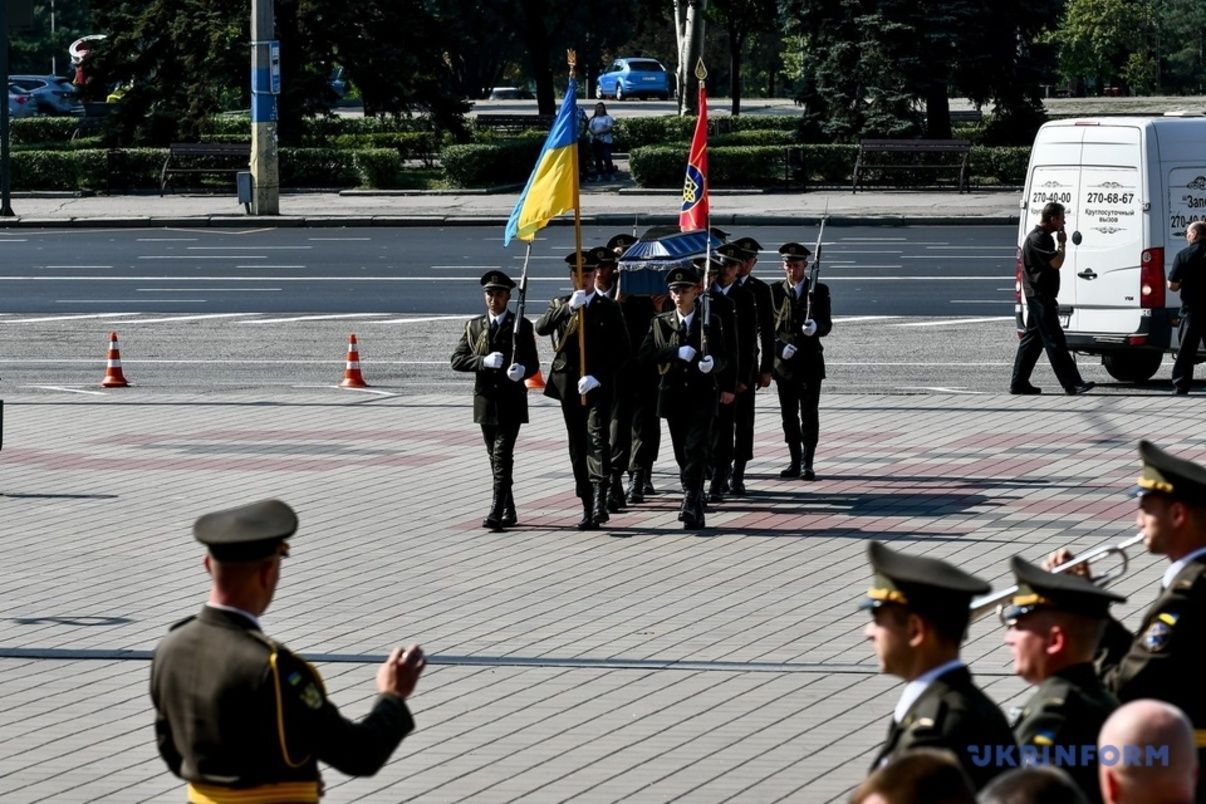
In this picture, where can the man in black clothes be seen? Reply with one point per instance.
(1188, 275)
(763, 358)
(1041, 261)
(724, 307)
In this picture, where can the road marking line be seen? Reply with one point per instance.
(847, 319)
(338, 239)
(912, 364)
(167, 239)
(261, 266)
(327, 317)
(245, 248)
(1009, 249)
(131, 301)
(981, 301)
(940, 389)
(422, 320)
(199, 317)
(208, 290)
(203, 256)
(958, 256)
(953, 321)
(162, 278)
(104, 267)
(66, 390)
(71, 317)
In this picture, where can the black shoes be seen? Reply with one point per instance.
(636, 488)
(793, 470)
(1180, 392)
(1025, 390)
(808, 474)
(737, 481)
(1084, 387)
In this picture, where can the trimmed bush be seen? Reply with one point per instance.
(378, 167)
(36, 130)
(745, 166)
(422, 145)
(486, 165)
(754, 136)
(136, 168)
(999, 165)
(58, 170)
(318, 167)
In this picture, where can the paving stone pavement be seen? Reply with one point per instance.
(639, 663)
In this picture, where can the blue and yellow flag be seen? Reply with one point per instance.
(553, 186)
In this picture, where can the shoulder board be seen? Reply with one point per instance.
(1190, 577)
(185, 621)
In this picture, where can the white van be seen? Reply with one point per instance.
(1130, 186)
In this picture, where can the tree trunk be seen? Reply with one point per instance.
(536, 38)
(735, 45)
(937, 112)
(688, 88)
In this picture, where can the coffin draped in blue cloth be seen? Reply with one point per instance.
(643, 267)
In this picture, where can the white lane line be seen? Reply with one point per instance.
(246, 248)
(844, 251)
(163, 278)
(204, 256)
(232, 362)
(362, 390)
(66, 390)
(81, 267)
(71, 317)
(873, 240)
(982, 301)
(954, 321)
(261, 267)
(846, 319)
(447, 267)
(130, 301)
(199, 317)
(167, 239)
(208, 290)
(1010, 249)
(907, 364)
(338, 239)
(959, 256)
(422, 320)
(329, 317)
(939, 389)
(14, 240)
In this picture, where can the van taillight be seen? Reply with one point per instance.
(1017, 277)
(1151, 278)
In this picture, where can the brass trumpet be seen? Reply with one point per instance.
(989, 603)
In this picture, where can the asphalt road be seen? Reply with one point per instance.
(964, 271)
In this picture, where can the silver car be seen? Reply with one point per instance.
(50, 94)
(20, 103)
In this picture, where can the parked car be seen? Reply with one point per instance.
(20, 103)
(510, 93)
(635, 78)
(50, 94)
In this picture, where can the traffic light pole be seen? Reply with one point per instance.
(6, 165)
(265, 86)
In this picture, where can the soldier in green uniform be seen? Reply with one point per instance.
(1054, 623)
(500, 399)
(688, 395)
(1168, 652)
(761, 361)
(607, 350)
(238, 715)
(920, 610)
(720, 445)
(743, 364)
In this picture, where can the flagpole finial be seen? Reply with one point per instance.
(701, 72)
(571, 58)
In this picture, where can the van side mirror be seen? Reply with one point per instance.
(1076, 238)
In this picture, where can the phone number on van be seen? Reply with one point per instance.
(1110, 198)
(1046, 198)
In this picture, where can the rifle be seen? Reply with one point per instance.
(816, 268)
(521, 304)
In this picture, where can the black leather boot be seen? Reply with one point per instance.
(693, 513)
(649, 489)
(493, 520)
(720, 482)
(809, 452)
(615, 493)
(737, 481)
(599, 510)
(793, 469)
(509, 518)
(684, 507)
(636, 487)
(588, 519)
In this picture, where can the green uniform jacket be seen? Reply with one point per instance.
(953, 713)
(497, 400)
(764, 352)
(682, 387)
(808, 363)
(224, 716)
(1067, 710)
(607, 348)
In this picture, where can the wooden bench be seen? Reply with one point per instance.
(513, 123)
(965, 116)
(959, 148)
(234, 157)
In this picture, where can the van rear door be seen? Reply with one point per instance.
(1109, 226)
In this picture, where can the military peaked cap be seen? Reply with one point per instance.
(1039, 589)
(733, 253)
(1167, 474)
(932, 588)
(793, 251)
(602, 255)
(682, 276)
(589, 260)
(718, 233)
(497, 280)
(748, 246)
(247, 533)
(711, 266)
(620, 243)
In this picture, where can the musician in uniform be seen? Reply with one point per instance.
(635, 428)
(607, 349)
(720, 445)
(500, 399)
(762, 362)
(688, 353)
(920, 611)
(237, 714)
(1166, 655)
(1054, 622)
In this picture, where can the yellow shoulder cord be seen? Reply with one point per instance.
(280, 715)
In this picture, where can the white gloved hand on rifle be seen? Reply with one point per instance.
(587, 384)
(788, 352)
(706, 364)
(515, 372)
(809, 328)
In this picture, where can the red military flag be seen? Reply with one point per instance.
(694, 213)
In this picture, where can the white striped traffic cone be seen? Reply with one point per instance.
(113, 376)
(352, 378)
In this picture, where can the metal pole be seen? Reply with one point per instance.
(54, 46)
(6, 177)
(265, 167)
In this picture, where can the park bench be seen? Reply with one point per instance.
(966, 116)
(514, 123)
(204, 157)
(954, 148)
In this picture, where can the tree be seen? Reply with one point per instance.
(32, 51)
(1098, 39)
(741, 19)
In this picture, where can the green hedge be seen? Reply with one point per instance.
(486, 165)
(1001, 164)
(35, 130)
(424, 145)
(58, 170)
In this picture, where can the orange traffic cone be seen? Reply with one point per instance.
(113, 376)
(352, 378)
(535, 382)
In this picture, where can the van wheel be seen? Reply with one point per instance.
(1133, 366)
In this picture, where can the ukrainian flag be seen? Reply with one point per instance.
(553, 186)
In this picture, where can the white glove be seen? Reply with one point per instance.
(577, 300)
(494, 360)
(705, 364)
(686, 353)
(515, 373)
(809, 328)
(587, 384)
(788, 352)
